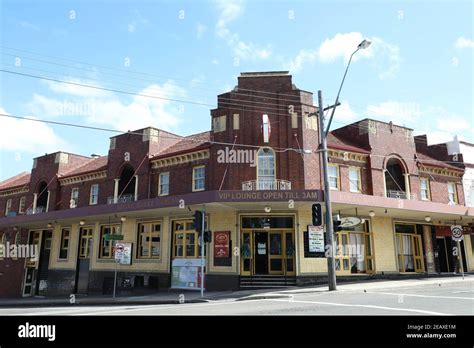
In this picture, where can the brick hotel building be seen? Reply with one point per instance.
(406, 193)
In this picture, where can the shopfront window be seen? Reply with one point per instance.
(149, 240)
(106, 251)
(186, 240)
(354, 250)
(409, 248)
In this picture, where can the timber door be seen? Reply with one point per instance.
(83, 260)
(31, 265)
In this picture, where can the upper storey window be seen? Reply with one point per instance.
(266, 168)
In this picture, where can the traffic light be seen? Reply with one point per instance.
(337, 224)
(198, 219)
(207, 236)
(317, 214)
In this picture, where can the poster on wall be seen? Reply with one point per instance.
(186, 274)
(123, 253)
(316, 239)
(221, 244)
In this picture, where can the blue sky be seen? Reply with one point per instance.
(418, 72)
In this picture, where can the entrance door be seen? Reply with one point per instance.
(31, 265)
(83, 260)
(442, 255)
(276, 253)
(410, 253)
(43, 265)
(261, 253)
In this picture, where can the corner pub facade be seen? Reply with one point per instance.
(257, 203)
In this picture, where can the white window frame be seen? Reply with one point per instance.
(22, 205)
(266, 168)
(427, 189)
(161, 184)
(359, 179)
(333, 165)
(75, 196)
(195, 169)
(8, 206)
(454, 193)
(94, 198)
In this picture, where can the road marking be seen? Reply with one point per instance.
(427, 296)
(126, 309)
(366, 306)
(459, 292)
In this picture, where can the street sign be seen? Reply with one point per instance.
(113, 237)
(457, 233)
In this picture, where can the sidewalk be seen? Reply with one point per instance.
(186, 296)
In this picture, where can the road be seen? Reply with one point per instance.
(450, 298)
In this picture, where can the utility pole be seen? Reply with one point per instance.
(203, 226)
(327, 195)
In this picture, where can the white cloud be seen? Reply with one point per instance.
(107, 109)
(303, 56)
(463, 42)
(385, 56)
(440, 124)
(23, 136)
(136, 22)
(344, 114)
(73, 87)
(342, 45)
(229, 11)
(200, 30)
(28, 25)
(215, 61)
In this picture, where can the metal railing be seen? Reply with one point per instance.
(257, 185)
(121, 199)
(400, 195)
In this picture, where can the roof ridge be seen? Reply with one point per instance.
(68, 173)
(15, 177)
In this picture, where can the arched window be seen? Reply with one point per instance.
(42, 200)
(266, 169)
(394, 179)
(127, 183)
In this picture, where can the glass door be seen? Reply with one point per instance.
(275, 256)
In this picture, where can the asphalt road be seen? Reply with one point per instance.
(456, 298)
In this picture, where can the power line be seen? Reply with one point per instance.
(235, 105)
(138, 72)
(189, 138)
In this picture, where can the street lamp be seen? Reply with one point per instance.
(362, 46)
(324, 149)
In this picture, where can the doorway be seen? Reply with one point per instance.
(83, 259)
(445, 262)
(268, 252)
(30, 285)
(261, 252)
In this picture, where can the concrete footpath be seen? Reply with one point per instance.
(186, 296)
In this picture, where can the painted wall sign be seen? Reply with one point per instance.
(221, 244)
(316, 239)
